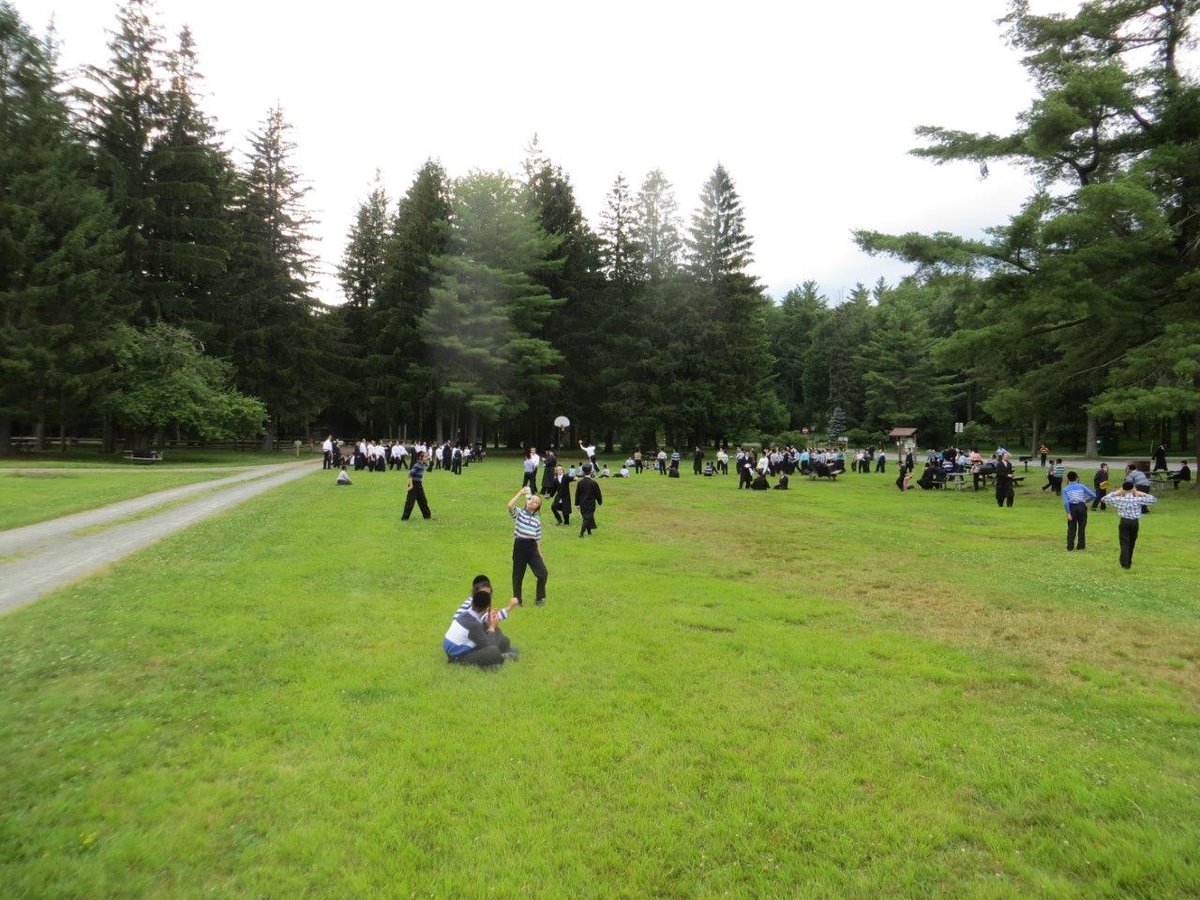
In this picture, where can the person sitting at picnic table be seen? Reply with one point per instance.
(1184, 473)
(932, 478)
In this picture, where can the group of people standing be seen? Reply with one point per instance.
(377, 456)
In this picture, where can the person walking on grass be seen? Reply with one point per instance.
(1075, 500)
(561, 504)
(1131, 505)
(527, 537)
(1100, 485)
(587, 498)
(416, 489)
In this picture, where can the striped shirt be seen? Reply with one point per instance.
(466, 607)
(529, 526)
(1077, 493)
(1128, 506)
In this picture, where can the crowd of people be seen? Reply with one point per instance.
(475, 637)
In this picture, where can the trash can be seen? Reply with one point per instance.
(1109, 445)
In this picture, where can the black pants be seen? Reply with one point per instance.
(1098, 502)
(416, 494)
(531, 480)
(1077, 527)
(637, 466)
(1004, 491)
(487, 655)
(1127, 531)
(526, 553)
(589, 519)
(328, 464)
(562, 510)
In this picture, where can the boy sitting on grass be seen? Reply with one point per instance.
(474, 637)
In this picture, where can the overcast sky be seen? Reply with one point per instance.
(809, 106)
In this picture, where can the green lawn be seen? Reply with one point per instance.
(27, 497)
(838, 690)
(90, 458)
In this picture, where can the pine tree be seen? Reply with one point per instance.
(732, 309)
(281, 345)
(60, 247)
(188, 233)
(361, 274)
(837, 423)
(656, 228)
(125, 114)
(486, 324)
(619, 252)
(717, 244)
(420, 236)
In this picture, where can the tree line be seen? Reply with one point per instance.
(151, 285)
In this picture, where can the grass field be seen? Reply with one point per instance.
(837, 690)
(35, 496)
(90, 458)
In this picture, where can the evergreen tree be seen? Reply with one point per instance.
(571, 274)
(656, 228)
(60, 247)
(731, 310)
(837, 423)
(361, 275)
(485, 327)
(282, 346)
(619, 252)
(125, 114)
(420, 236)
(188, 232)
(1096, 272)
(717, 244)
(904, 386)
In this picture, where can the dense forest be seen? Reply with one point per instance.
(155, 285)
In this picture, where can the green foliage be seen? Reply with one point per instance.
(61, 250)
(162, 379)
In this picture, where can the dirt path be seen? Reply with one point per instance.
(50, 554)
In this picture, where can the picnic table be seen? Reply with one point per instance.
(143, 457)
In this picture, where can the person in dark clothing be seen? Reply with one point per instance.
(1184, 473)
(1160, 459)
(783, 482)
(416, 490)
(548, 473)
(760, 483)
(698, 461)
(1100, 485)
(1005, 487)
(561, 505)
(745, 471)
(587, 498)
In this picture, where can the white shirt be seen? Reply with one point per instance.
(327, 445)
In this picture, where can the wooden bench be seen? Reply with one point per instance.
(145, 457)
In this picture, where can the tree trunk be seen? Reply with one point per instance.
(268, 438)
(1090, 452)
(1033, 438)
(5, 435)
(39, 434)
(62, 435)
(108, 439)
